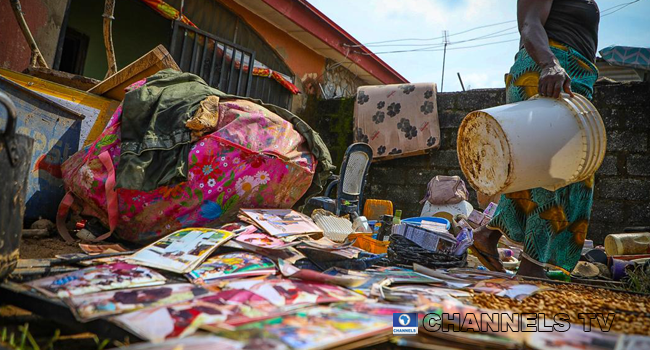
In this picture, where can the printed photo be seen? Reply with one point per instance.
(282, 222)
(91, 306)
(232, 265)
(182, 250)
(118, 275)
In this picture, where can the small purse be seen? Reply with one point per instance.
(446, 190)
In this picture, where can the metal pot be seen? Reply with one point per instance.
(15, 158)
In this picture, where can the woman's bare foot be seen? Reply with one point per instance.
(530, 269)
(485, 241)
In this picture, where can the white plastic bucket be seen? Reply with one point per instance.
(540, 142)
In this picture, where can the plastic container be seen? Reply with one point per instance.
(540, 142)
(419, 220)
(367, 243)
(619, 268)
(374, 208)
(447, 211)
(361, 224)
(627, 243)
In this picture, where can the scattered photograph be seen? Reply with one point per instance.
(88, 307)
(232, 265)
(183, 250)
(118, 275)
(282, 222)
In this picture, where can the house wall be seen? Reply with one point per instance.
(306, 64)
(44, 18)
(302, 60)
(622, 182)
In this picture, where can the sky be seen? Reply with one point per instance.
(480, 67)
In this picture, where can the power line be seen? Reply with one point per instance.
(486, 36)
(430, 47)
(430, 39)
(618, 8)
(438, 49)
(604, 13)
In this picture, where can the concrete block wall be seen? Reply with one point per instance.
(622, 195)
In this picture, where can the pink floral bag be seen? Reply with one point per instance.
(255, 160)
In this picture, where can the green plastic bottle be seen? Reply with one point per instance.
(397, 219)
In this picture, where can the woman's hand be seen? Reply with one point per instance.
(553, 80)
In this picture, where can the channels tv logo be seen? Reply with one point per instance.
(405, 324)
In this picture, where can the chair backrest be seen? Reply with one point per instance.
(353, 174)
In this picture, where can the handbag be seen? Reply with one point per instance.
(446, 190)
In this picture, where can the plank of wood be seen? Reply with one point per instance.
(35, 232)
(152, 62)
(26, 263)
(39, 271)
(64, 78)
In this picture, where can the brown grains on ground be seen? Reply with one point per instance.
(43, 248)
(632, 310)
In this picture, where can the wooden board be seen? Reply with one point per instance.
(145, 66)
(97, 110)
(64, 78)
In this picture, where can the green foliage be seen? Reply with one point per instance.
(637, 280)
(101, 344)
(334, 121)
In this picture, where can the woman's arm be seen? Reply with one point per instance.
(531, 17)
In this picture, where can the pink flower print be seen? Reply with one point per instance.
(212, 182)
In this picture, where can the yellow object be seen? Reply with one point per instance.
(97, 110)
(375, 208)
(369, 244)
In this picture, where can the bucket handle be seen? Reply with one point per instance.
(10, 130)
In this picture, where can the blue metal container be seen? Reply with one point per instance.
(56, 131)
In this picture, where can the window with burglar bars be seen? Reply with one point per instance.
(223, 65)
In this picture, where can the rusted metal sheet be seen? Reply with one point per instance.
(56, 133)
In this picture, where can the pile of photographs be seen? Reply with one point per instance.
(271, 280)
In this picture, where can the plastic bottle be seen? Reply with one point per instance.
(397, 219)
(386, 227)
(361, 224)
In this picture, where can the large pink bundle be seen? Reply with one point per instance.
(255, 160)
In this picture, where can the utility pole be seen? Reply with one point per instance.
(445, 40)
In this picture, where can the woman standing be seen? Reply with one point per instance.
(558, 46)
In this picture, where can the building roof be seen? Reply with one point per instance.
(304, 22)
(627, 56)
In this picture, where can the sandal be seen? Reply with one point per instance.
(484, 258)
